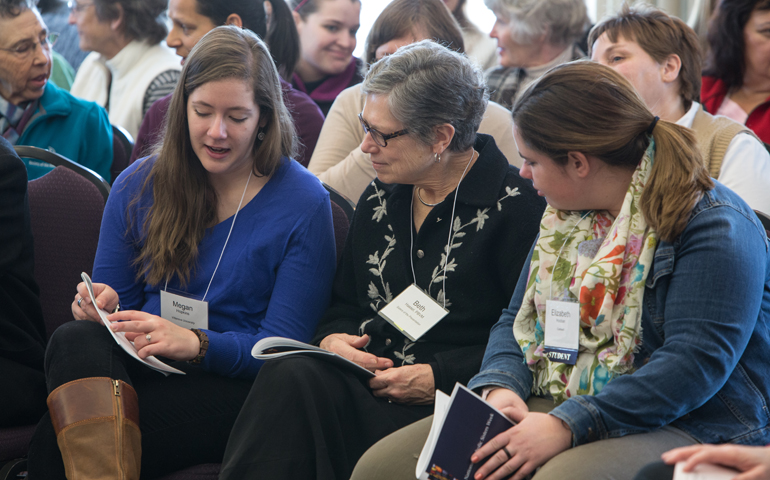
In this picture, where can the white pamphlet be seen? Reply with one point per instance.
(704, 471)
(120, 337)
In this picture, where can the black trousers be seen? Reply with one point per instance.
(185, 419)
(306, 419)
(23, 399)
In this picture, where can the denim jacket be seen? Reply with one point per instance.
(704, 363)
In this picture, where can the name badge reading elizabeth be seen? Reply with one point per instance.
(183, 311)
(562, 331)
(413, 312)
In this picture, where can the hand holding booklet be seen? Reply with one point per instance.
(462, 423)
(270, 348)
(120, 337)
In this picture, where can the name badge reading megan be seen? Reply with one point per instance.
(183, 311)
(413, 312)
(562, 331)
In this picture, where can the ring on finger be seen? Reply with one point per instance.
(505, 449)
(80, 300)
(148, 337)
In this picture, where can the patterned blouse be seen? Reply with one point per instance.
(496, 221)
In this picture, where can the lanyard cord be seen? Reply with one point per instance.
(240, 204)
(550, 293)
(449, 240)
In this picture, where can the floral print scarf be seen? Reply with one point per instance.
(602, 264)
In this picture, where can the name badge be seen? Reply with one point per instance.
(413, 312)
(562, 331)
(183, 311)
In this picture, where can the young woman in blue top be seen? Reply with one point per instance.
(221, 214)
(664, 274)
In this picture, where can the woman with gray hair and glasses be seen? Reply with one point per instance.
(444, 229)
(532, 37)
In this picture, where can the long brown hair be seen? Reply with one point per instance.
(586, 107)
(184, 202)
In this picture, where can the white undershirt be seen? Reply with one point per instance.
(745, 167)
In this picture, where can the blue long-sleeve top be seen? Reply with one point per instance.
(274, 278)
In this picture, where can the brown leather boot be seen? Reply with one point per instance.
(97, 428)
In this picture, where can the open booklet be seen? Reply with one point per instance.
(704, 471)
(270, 348)
(462, 423)
(120, 337)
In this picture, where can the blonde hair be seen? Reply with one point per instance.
(184, 202)
(590, 108)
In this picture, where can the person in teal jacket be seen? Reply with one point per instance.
(74, 128)
(34, 111)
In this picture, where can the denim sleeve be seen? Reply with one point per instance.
(503, 364)
(707, 309)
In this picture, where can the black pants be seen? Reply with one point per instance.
(23, 399)
(306, 419)
(185, 419)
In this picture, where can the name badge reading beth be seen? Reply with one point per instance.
(183, 311)
(413, 312)
(562, 331)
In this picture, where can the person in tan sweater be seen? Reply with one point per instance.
(338, 160)
(660, 55)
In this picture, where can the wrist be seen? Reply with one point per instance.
(203, 346)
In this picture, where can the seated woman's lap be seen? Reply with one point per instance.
(395, 456)
(185, 419)
(322, 409)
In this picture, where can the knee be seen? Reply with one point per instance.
(73, 340)
(297, 370)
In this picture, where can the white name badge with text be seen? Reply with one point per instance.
(183, 311)
(413, 312)
(562, 331)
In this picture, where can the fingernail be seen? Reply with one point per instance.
(474, 459)
(114, 326)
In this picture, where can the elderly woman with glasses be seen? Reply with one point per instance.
(442, 233)
(128, 68)
(34, 112)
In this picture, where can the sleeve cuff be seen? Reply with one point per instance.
(499, 378)
(583, 419)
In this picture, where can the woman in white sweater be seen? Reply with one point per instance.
(338, 159)
(128, 67)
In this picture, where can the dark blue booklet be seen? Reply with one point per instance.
(462, 423)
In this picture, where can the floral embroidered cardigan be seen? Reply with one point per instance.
(495, 223)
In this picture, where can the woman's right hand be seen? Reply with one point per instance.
(349, 346)
(106, 299)
(508, 402)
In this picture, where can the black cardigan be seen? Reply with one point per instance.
(496, 221)
(22, 331)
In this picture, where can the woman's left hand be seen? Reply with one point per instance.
(409, 385)
(153, 335)
(537, 438)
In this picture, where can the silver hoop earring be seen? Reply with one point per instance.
(261, 135)
(437, 157)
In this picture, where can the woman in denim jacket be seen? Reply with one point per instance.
(665, 274)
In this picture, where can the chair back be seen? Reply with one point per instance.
(342, 215)
(765, 219)
(59, 161)
(122, 145)
(342, 201)
(66, 215)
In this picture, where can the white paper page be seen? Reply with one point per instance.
(704, 471)
(120, 337)
(439, 412)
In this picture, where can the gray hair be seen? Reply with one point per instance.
(142, 19)
(13, 8)
(429, 85)
(563, 21)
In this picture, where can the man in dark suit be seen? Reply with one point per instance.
(22, 330)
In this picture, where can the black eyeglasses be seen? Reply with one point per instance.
(379, 138)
